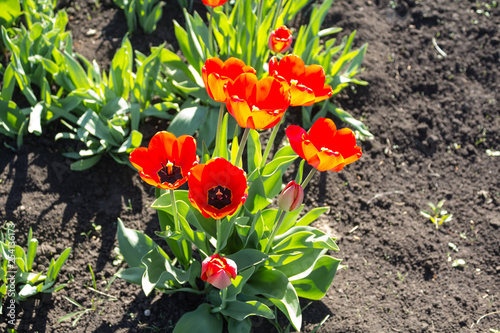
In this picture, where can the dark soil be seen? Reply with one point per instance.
(433, 117)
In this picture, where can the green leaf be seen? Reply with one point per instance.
(76, 73)
(247, 258)
(290, 306)
(312, 216)
(32, 246)
(54, 270)
(133, 244)
(346, 117)
(10, 10)
(132, 274)
(85, 163)
(237, 326)
(27, 291)
(256, 199)
(159, 271)
(300, 237)
(221, 146)
(241, 310)
(254, 151)
(200, 320)
(315, 285)
(270, 283)
(188, 120)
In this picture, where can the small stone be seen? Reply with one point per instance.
(147, 312)
(91, 32)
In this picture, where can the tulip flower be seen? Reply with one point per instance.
(325, 147)
(216, 74)
(214, 3)
(307, 83)
(257, 104)
(218, 271)
(280, 40)
(217, 188)
(167, 160)
(291, 197)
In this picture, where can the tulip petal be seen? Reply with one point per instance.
(219, 280)
(295, 135)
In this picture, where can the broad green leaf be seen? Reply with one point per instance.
(188, 120)
(76, 73)
(10, 10)
(132, 274)
(312, 216)
(237, 326)
(289, 304)
(316, 284)
(270, 283)
(303, 237)
(133, 244)
(241, 310)
(200, 320)
(256, 199)
(85, 163)
(247, 258)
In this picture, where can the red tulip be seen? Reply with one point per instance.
(291, 197)
(307, 84)
(280, 40)
(324, 147)
(218, 271)
(214, 3)
(257, 104)
(216, 74)
(217, 188)
(167, 160)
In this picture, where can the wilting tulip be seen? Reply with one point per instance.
(218, 271)
(280, 40)
(257, 104)
(307, 84)
(216, 74)
(291, 197)
(214, 3)
(217, 188)
(324, 147)
(167, 160)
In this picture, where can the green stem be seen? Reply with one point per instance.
(210, 28)
(218, 234)
(223, 296)
(271, 142)
(280, 216)
(174, 211)
(217, 134)
(243, 142)
(308, 178)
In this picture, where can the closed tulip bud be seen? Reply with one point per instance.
(291, 197)
(218, 271)
(280, 40)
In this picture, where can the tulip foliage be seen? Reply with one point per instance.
(254, 258)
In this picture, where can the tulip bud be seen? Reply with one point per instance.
(218, 271)
(291, 197)
(280, 40)
(214, 3)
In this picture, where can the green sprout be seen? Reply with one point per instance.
(438, 215)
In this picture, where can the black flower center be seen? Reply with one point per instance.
(169, 173)
(219, 197)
